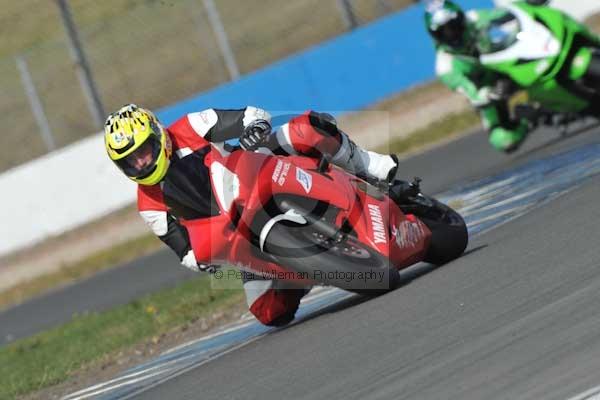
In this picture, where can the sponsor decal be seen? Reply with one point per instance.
(304, 178)
(277, 171)
(408, 233)
(284, 173)
(379, 235)
(280, 173)
(119, 137)
(205, 116)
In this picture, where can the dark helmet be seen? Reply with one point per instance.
(446, 23)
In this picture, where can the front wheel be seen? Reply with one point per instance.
(449, 235)
(349, 265)
(592, 76)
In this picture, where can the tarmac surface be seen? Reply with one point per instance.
(515, 318)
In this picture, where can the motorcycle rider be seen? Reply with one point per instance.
(456, 35)
(164, 162)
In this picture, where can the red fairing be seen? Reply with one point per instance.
(378, 222)
(244, 182)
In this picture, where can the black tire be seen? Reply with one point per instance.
(292, 248)
(592, 76)
(449, 235)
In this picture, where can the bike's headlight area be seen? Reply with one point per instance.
(501, 35)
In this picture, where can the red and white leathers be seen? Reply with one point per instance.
(313, 133)
(197, 134)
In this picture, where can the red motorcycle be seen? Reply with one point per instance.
(302, 219)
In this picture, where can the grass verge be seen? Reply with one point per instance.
(51, 357)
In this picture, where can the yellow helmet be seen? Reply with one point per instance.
(138, 144)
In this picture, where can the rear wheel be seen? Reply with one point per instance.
(349, 265)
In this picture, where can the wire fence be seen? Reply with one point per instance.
(153, 52)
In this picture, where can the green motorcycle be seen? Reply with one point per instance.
(551, 62)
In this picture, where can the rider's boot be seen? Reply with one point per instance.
(379, 169)
(508, 140)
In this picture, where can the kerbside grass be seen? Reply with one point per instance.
(50, 357)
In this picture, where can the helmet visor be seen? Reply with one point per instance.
(452, 32)
(142, 161)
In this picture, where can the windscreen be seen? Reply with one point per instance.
(500, 35)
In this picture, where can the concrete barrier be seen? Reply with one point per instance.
(58, 192)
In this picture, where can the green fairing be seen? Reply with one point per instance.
(469, 70)
(539, 75)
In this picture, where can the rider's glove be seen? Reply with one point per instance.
(189, 261)
(254, 134)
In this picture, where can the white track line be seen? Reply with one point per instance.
(160, 367)
(592, 394)
(97, 392)
(190, 367)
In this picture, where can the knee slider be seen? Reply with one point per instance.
(282, 320)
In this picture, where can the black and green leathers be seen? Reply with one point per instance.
(461, 70)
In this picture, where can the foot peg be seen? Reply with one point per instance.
(416, 184)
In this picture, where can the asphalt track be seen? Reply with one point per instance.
(516, 318)
(441, 168)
